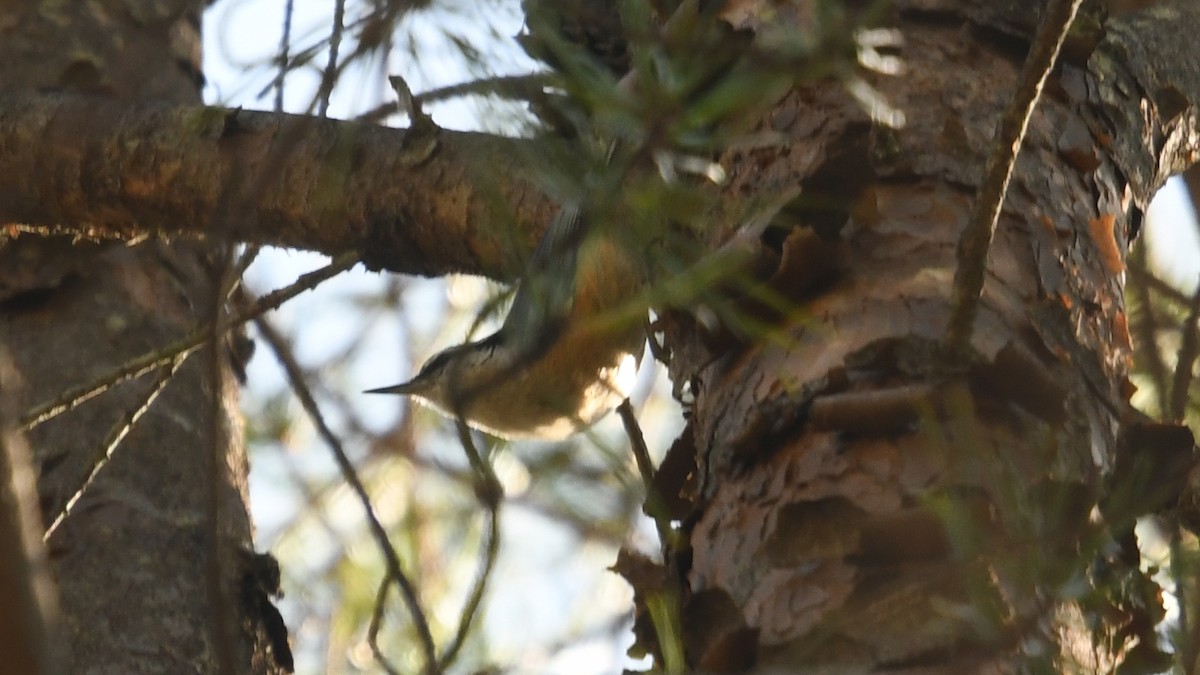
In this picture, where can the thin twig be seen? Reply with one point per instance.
(249, 255)
(655, 504)
(1138, 271)
(75, 396)
(977, 237)
(118, 434)
(1189, 348)
(298, 384)
(516, 87)
(490, 493)
(377, 624)
(663, 604)
(285, 44)
(330, 75)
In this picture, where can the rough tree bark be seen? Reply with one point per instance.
(132, 562)
(864, 500)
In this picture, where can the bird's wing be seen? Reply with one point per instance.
(547, 289)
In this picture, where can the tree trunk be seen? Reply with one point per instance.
(864, 499)
(141, 566)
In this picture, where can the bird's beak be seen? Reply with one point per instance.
(403, 389)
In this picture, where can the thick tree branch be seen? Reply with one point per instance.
(407, 201)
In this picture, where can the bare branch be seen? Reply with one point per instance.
(73, 397)
(101, 168)
(391, 559)
(490, 494)
(1181, 380)
(118, 433)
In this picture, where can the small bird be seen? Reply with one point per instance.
(567, 353)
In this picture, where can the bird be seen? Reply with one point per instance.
(567, 352)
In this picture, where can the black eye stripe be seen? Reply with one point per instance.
(490, 343)
(436, 364)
